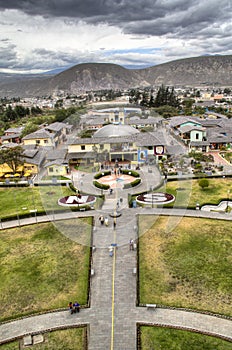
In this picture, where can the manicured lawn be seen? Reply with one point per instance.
(173, 339)
(186, 262)
(20, 200)
(43, 267)
(188, 192)
(68, 339)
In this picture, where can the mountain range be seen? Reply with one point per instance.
(200, 71)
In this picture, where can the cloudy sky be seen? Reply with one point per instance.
(41, 35)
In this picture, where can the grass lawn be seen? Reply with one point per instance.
(188, 192)
(188, 264)
(173, 339)
(43, 269)
(68, 339)
(20, 200)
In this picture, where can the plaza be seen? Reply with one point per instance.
(113, 315)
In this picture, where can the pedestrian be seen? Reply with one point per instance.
(111, 251)
(106, 222)
(101, 219)
(76, 306)
(114, 223)
(131, 244)
(70, 305)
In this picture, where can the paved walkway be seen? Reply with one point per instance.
(113, 315)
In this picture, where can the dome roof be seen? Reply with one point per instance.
(113, 130)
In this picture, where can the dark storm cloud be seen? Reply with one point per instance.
(8, 54)
(144, 17)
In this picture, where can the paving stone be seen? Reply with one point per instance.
(27, 340)
(38, 338)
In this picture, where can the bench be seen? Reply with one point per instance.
(134, 271)
(151, 306)
(92, 272)
(82, 209)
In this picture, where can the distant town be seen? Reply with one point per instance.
(105, 127)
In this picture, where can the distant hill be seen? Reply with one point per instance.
(196, 71)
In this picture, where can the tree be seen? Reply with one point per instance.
(145, 99)
(167, 111)
(36, 110)
(203, 183)
(165, 97)
(9, 115)
(21, 111)
(13, 157)
(187, 106)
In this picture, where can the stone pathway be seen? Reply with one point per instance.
(113, 315)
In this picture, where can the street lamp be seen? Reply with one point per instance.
(151, 196)
(228, 198)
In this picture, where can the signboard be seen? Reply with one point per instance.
(158, 150)
(142, 155)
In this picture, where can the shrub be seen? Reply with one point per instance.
(103, 173)
(130, 172)
(132, 184)
(101, 186)
(203, 183)
(72, 187)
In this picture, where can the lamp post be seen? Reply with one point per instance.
(16, 206)
(228, 198)
(151, 197)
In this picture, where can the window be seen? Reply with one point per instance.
(45, 141)
(82, 147)
(51, 170)
(37, 142)
(197, 136)
(101, 147)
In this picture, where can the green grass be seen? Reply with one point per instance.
(20, 200)
(188, 192)
(43, 269)
(68, 339)
(173, 339)
(186, 262)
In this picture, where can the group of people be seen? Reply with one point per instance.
(74, 308)
(104, 220)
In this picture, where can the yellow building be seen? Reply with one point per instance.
(39, 138)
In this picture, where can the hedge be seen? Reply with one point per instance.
(130, 172)
(132, 184)
(103, 173)
(101, 186)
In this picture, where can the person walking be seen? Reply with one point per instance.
(106, 221)
(131, 243)
(101, 219)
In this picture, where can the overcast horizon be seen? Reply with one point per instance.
(38, 36)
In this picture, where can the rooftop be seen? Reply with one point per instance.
(113, 130)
